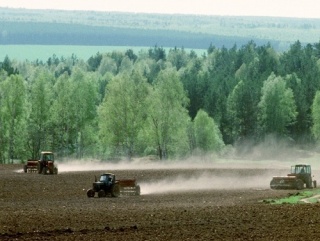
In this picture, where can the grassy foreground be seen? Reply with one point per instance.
(308, 196)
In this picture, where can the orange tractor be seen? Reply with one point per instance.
(299, 178)
(45, 164)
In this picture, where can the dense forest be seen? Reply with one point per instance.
(170, 104)
(53, 27)
(74, 34)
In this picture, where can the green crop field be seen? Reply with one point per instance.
(43, 52)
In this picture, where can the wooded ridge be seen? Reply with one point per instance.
(23, 26)
(169, 103)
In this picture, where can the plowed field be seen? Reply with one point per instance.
(175, 204)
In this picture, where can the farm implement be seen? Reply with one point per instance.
(299, 178)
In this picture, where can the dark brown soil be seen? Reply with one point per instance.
(55, 207)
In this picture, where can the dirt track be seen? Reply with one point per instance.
(38, 207)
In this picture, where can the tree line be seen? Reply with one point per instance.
(281, 31)
(43, 33)
(171, 104)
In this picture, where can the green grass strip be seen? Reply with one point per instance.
(296, 198)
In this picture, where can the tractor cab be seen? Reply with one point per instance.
(46, 156)
(301, 169)
(46, 163)
(299, 178)
(107, 184)
(302, 172)
(107, 178)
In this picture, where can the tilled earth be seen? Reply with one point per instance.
(55, 207)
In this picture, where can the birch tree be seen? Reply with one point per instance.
(168, 116)
(122, 114)
(277, 107)
(13, 118)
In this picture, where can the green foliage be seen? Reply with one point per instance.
(123, 103)
(13, 118)
(131, 55)
(178, 57)
(126, 65)
(94, 62)
(194, 84)
(6, 65)
(62, 117)
(316, 116)
(73, 112)
(207, 134)
(157, 53)
(296, 198)
(107, 65)
(85, 97)
(277, 107)
(40, 99)
(241, 111)
(302, 63)
(167, 117)
(122, 113)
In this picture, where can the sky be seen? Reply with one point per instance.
(278, 8)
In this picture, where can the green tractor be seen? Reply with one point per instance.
(109, 186)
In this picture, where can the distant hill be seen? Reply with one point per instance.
(56, 27)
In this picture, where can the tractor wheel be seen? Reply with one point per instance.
(90, 193)
(44, 170)
(299, 184)
(55, 170)
(314, 184)
(115, 192)
(39, 167)
(272, 184)
(101, 193)
(309, 183)
(25, 168)
(137, 190)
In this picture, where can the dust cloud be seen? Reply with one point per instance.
(202, 175)
(82, 166)
(244, 167)
(206, 181)
(252, 169)
(75, 166)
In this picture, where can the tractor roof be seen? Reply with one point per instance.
(301, 165)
